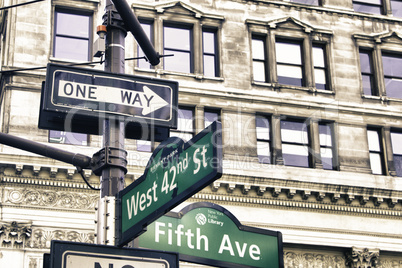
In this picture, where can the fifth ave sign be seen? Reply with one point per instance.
(92, 93)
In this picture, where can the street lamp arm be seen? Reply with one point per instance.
(75, 159)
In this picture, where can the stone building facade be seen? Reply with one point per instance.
(308, 93)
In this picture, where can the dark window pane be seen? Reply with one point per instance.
(180, 62)
(72, 25)
(209, 66)
(209, 42)
(365, 62)
(295, 155)
(367, 85)
(68, 137)
(396, 8)
(69, 48)
(392, 65)
(210, 117)
(147, 27)
(398, 165)
(394, 87)
(177, 41)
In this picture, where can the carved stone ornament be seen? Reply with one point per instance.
(15, 235)
(363, 258)
(313, 260)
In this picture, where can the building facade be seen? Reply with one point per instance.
(308, 93)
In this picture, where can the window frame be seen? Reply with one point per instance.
(291, 29)
(263, 140)
(72, 11)
(199, 21)
(380, 152)
(184, 132)
(387, 43)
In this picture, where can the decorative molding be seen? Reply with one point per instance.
(49, 198)
(362, 257)
(299, 259)
(22, 235)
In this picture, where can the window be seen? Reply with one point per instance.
(210, 116)
(368, 6)
(367, 72)
(72, 35)
(210, 52)
(290, 57)
(177, 41)
(396, 141)
(185, 124)
(326, 145)
(320, 66)
(64, 137)
(263, 139)
(289, 63)
(396, 7)
(381, 65)
(259, 59)
(392, 66)
(190, 35)
(295, 143)
(147, 27)
(375, 150)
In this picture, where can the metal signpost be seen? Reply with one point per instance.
(78, 255)
(175, 172)
(207, 233)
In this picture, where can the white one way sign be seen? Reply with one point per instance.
(92, 93)
(148, 100)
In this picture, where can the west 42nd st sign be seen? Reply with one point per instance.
(209, 234)
(176, 171)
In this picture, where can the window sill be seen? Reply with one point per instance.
(281, 87)
(68, 61)
(191, 75)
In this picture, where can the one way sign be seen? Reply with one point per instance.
(96, 93)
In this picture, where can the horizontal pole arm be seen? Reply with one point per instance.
(133, 25)
(75, 159)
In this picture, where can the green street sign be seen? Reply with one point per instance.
(207, 233)
(175, 171)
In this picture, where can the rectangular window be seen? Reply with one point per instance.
(210, 116)
(259, 58)
(368, 6)
(263, 139)
(65, 137)
(392, 65)
(376, 151)
(147, 27)
(295, 143)
(144, 146)
(367, 72)
(326, 145)
(396, 141)
(396, 7)
(72, 35)
(178, 41)
(210, 52)
(289, 63)
(185, 124)
(320, 67)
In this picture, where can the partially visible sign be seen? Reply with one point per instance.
(176, 171)
(79, 255)
(207, 233)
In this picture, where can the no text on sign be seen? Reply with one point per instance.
(92, 92)
(176, 171)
